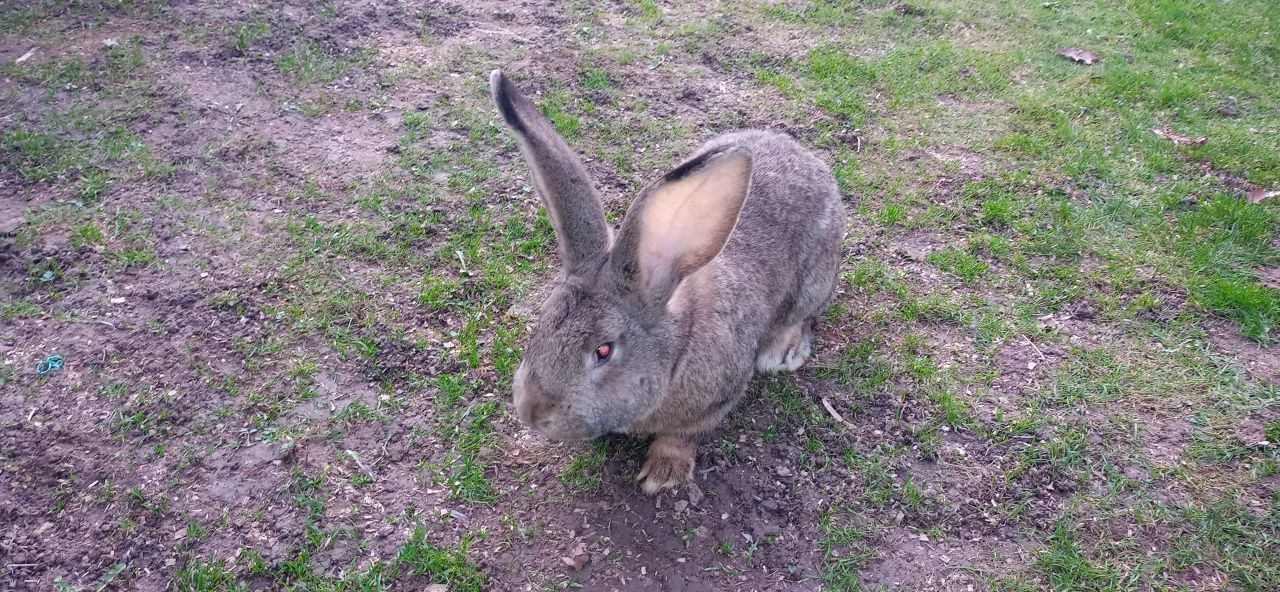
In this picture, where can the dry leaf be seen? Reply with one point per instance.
(1258, 195)
(1080, 56)
(1179, 139)
(577, 557)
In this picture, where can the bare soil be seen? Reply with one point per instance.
(177, 404)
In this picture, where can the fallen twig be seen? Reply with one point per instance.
(836, 414)
(1033, 346)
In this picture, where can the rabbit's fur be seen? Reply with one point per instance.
(717, 272)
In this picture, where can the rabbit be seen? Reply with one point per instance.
(717, 272)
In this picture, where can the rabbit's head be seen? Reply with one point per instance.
(609, 335)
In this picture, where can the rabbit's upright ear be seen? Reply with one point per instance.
(574, 208)
(681, 223)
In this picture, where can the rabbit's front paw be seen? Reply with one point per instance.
(670, 463)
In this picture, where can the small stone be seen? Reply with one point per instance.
(695, 494)
(681, 505)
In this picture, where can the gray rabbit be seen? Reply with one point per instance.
(717, 272)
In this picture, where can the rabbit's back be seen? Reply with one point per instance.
(782, 259)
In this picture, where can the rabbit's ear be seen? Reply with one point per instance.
(558, 174)
(681, 223)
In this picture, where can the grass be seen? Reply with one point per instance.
(1052, 363)
(584, 472)
(309, 62)
(1065, 568)
(417, 558)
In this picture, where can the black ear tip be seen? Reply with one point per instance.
(505, 96)
(496, 82)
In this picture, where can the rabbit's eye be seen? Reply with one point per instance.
(603, 351)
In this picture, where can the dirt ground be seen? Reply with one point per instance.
(289, 256)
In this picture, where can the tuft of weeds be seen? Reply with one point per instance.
(208, 575)
(242, 37)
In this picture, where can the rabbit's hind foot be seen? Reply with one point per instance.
(785, 350)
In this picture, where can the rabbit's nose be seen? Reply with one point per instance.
(532, 406)
(540, 414)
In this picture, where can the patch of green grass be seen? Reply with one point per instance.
(556, 107)
(1272, 432)
(785, 395)
(1227, 536)
(954, 412)
(244, 36)
(840, 80)
(859, 369)
(933, 308)
(306, 493)
(648, 10)
(1255, 307)
(17, 309)
(208, 575)
(437, 292)
(845, 552)
(420, 558)
(1095, 376)
(357, 412)
(55, 74)
(596, 79)
(817, 12)
(93, 181)
(310, 62)
(124, 59)
(466, 464)
(83, 147)
(1064, 568)
(18, 19)
(998, 206)
(1064, 455)
(892, 214)
(583, 472)
(958, 262)
(38, 156)
(1225, 238)
(416, 560)
(868, 276)
(101, 584)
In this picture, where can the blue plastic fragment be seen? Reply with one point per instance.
(50, 364)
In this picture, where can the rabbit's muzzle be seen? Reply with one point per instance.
(545, 412)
